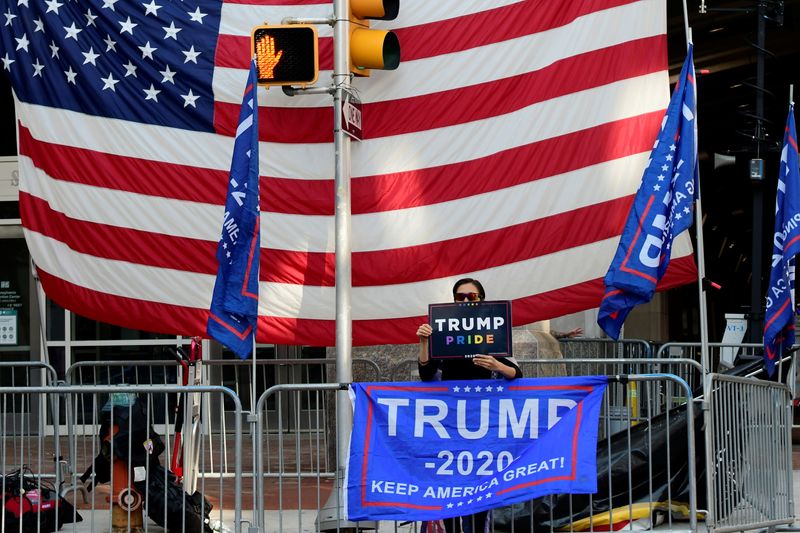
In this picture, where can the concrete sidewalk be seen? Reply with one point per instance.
(304, 521)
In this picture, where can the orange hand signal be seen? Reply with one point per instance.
(267, 58)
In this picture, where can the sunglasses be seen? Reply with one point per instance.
(462, 296)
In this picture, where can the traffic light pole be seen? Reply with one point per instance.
(344, 326)
(376, 49)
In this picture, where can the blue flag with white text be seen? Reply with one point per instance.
(780, 310)
(234, 306)
(663, 208)
(425, 451)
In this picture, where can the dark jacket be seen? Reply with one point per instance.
(455, 369)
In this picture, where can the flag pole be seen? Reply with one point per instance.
(791, 379)
(701, 262)
(701, 276)
(253, 385)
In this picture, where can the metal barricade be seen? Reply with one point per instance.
(26, 374)
(239, 375)
(721, 355)
(637, 402)
(235, 374)
(23, 416)
(303, 413)
(646, 472)
(646, 469)
(650, 401)
(123, 372)
(748, 454)
(129, 450)
(585, 347)
(296, 471)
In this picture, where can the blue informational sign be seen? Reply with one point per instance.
(470, 328)
(424, 451)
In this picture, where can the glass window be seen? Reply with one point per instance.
(8, 122)
(9, 210)
(85, 329)
(55, 321)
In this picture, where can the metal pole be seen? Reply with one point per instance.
(756, 294)
(701, 274)
(705, 360)
(344, 329)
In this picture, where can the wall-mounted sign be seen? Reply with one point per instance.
(9, 179)
(9, 325)
(470, 328)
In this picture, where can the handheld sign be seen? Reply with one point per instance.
(471, 328)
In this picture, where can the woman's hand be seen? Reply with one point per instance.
(424, 331)
(488, 362)
(571, 334)
(491, 363)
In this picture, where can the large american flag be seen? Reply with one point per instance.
(507, 147)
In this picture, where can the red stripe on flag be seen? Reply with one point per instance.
(135, 314)
(384, 267)
(458, 106)
(113, 242)
(172, 319)
(508, 168)
(109, 171)
(465, 254)
(451, 35)
(369, 194)
(273, 2)
(414, 188)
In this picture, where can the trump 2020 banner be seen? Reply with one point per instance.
(423, 451)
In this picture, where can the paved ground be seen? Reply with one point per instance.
(303, 521)
(286, 495)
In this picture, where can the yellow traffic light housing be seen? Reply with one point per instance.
(378, 49)
(286, 54)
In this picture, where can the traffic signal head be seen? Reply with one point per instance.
(369, 48)
(285, 54)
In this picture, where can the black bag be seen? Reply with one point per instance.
(35, 503)
(166, 498)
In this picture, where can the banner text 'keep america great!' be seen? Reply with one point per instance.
(423, 451)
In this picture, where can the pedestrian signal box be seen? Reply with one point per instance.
(286, 54)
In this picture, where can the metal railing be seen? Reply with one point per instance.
(289, 465)
(749, 458)
(721, 355)
(132, 468)
(583, 347)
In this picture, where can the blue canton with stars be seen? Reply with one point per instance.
(149, 62)
(425, 451)
(663, 208)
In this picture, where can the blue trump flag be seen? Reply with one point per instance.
(425, 451)
(234, 306)
(780, 313)
(663, 208)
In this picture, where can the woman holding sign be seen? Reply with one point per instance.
(478, 367)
